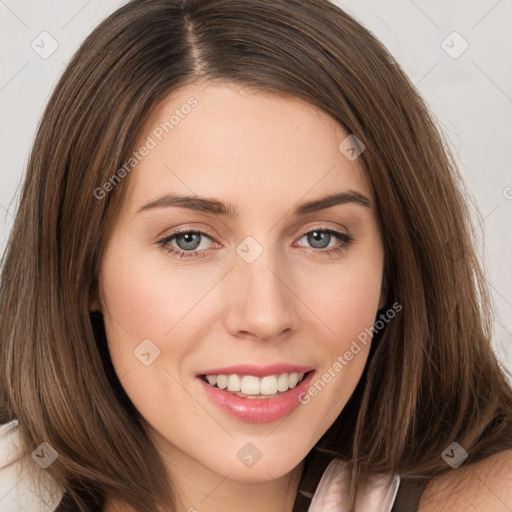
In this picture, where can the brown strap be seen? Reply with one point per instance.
(407, 498)
(408, 495)
(310, 478)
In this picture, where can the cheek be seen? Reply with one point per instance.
(146, 295)
(346, 308)
(143, 304)
(152, 311)
(346, 300)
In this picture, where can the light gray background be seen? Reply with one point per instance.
(470, 93)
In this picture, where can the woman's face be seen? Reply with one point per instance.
(263, 282)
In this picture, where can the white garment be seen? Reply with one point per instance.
(377, 494)
(18, 491)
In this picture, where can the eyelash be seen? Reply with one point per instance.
(345, 241)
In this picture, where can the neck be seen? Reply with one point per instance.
(199, 489)
(213, 493)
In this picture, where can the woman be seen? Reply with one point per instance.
(241, 275)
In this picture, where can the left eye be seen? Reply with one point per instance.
(189, 242)
(320, 238)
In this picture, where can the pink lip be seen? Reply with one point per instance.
(257, 371)
(257, 410)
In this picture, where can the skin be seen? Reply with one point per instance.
(482, 486)
(265, 154)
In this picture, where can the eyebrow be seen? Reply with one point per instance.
(216, 207)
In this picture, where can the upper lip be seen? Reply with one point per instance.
(257, 371)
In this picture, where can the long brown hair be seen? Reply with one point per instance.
(432, 376)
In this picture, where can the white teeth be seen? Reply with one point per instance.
(250, 385)
(254, 386)
(282, 382)
(222, 381)
(234, 383)
(268, 385)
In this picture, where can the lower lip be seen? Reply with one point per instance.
(258, 410)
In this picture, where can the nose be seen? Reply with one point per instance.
(261, 304)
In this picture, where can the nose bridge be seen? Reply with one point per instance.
(262, 302)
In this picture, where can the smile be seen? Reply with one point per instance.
(256, 399)
(250, 386)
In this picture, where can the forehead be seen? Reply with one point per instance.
(242, 146)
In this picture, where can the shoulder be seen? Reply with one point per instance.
(35, 491)
(479, 487)
(10, 451)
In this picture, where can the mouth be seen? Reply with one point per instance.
(253, 387)
(253, 399)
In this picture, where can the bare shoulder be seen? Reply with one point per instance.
(478, 487)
